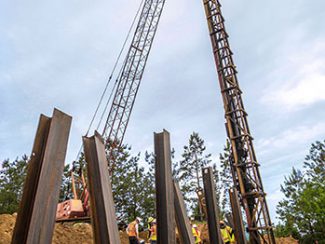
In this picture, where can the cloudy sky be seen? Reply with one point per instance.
(60, 53)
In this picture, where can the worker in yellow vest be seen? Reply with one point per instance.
(150, 219)
(227, 233)
(197, 234)
(133, 231)
(153, 230)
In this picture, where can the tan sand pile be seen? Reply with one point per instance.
(82, 232)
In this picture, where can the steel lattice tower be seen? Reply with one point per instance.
(132, 71)
(245, 168)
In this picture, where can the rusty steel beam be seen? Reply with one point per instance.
(102, 205)
(237, 217)
(36, 215)
(164, 190)
(182, 220)
(212, 206)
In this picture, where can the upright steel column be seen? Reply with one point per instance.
(212, 207)
(164, 190)
(245, 167)
(36, 215)
(237, 217)
(102, 205)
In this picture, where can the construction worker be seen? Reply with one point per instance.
(150, 219)
(196, 233)
(133, 231)
(227, 233)
(153, 230)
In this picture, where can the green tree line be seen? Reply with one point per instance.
(301, 212)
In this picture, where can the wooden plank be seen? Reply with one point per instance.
(164, 190)
(36, 218)
(182, 220)
(102, 205)
(212, 207)
(237, 217)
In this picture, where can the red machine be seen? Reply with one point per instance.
(74, 208)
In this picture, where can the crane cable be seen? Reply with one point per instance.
(109, 80)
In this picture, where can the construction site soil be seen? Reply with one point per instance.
(81, 233)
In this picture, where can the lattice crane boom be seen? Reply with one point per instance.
(245, 168)
(132, 71)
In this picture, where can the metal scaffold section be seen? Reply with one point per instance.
(245, 168)
(132, 70)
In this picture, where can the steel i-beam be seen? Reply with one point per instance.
(102, 205)
(164, 190)
(36, 216)
(212, 206)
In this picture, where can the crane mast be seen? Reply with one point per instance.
(244, 165)
(132, 71)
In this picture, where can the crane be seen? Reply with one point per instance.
(127, 86)
(132, 72)
(244, 165)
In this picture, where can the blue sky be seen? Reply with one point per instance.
(60, 53)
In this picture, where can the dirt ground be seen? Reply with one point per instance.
(82, 232)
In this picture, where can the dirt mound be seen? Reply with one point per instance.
(7, 224)
(72, 233)
(286, 240)
(82, 232)
(64, 232)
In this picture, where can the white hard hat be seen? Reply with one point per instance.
(194, 226)
(139, 219)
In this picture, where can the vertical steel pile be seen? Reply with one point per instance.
(102, 205)
(36, 216)
(164, 190)
(237, 217)
(212, 206)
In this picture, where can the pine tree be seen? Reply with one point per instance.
(226, 177)
(12, 178)
(302, 210)
(150, 186)
(133, 186)
(190, 172)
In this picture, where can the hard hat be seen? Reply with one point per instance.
(150, 219)
(194, 226)
(138, 219)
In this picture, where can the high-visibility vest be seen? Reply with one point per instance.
(197, 235)
(132, 231)
(153, 230)
(227, 235)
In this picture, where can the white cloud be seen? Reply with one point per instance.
(296, 136)
(309, 90)
(300, 80)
